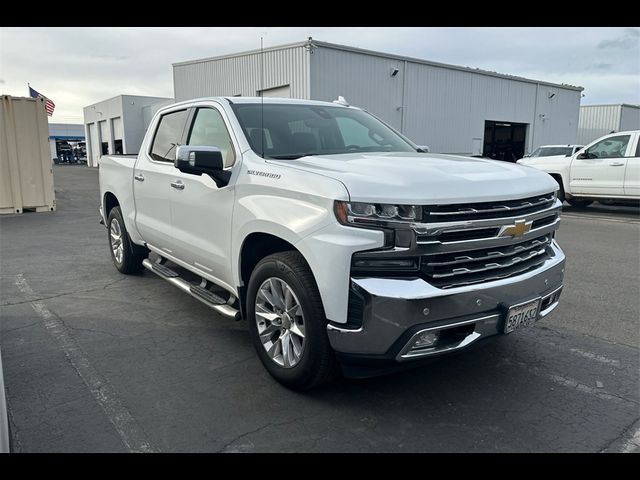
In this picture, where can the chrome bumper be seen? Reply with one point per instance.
(397, 311)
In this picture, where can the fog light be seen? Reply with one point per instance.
(425, 339)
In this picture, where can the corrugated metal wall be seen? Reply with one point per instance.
(630, 118)
(364, 81)
(240, 75)
(443, 107)
(596, 121)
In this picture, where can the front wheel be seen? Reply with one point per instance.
(287, 322)
(579, 203)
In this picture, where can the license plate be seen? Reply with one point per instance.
(521, 315)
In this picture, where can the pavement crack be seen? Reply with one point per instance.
(626, 432)
(94, 331)
(259, 429)
(37, 322)
(58, 295)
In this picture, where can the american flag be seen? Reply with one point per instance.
(48, 104)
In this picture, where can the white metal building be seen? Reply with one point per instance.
(598, 120)
(450, 108)
(118, 125)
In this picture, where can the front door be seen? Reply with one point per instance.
(152, 179)
(201, 210)
(632, 174)
(600, 168)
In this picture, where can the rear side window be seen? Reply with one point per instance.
(638, 148)
(168, 136)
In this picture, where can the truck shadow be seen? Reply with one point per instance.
(620, 210)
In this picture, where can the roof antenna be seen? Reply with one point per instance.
(262, 94)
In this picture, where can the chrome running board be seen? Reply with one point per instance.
(207, 297)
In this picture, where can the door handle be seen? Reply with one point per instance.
(139, 177)
(617, 164)
(177, 185)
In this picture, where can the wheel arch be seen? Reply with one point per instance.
(109, 201)
(256, 246)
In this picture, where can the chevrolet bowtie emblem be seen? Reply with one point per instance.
(518, 229)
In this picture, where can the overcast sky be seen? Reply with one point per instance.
(76, 67)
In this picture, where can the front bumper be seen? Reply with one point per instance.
(397, 310)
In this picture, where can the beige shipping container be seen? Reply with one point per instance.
(26, 176)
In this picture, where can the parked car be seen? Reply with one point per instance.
(331, 234)
(554, 151)
(606, 170)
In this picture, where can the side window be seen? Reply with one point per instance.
(612, 147)
(638, 147)
(354, 133)
(168, 136)
(209, 130)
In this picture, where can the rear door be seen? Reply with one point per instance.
(632, 174)
(600, 168)
(153, 174)
(201, 210)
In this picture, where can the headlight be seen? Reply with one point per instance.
(357, 213)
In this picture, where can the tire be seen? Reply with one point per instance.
(125, 259)
(579, 203)
(316, 364)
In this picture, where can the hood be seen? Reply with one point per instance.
(419, 178)
(544, 160)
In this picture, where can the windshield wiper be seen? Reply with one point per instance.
(291, 156)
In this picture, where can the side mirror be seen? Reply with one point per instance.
(583, 156)
(526, 156)
(198, 160)
(423, 148)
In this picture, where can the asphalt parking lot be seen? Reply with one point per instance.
(97, 361)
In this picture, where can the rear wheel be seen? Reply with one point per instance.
(579, 203)
(122, 251)
(287, 322)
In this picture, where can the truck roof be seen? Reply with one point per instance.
(565, 145)
(267, 100)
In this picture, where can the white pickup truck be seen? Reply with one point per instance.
(341, 243)
(606, 170)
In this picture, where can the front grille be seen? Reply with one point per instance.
(447, 270)
(468, 244)
(479, 211)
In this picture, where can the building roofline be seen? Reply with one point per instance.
(612, 105)
(335, 46)
(422, 61)
(122, 95)
(241, 54)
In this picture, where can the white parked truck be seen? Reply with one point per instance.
(340, 242)
(606, 170)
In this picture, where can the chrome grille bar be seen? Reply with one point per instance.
(490, 266)
(481, 210)
(493, 254)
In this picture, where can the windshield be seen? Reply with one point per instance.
(549, 151)
(294, 131)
